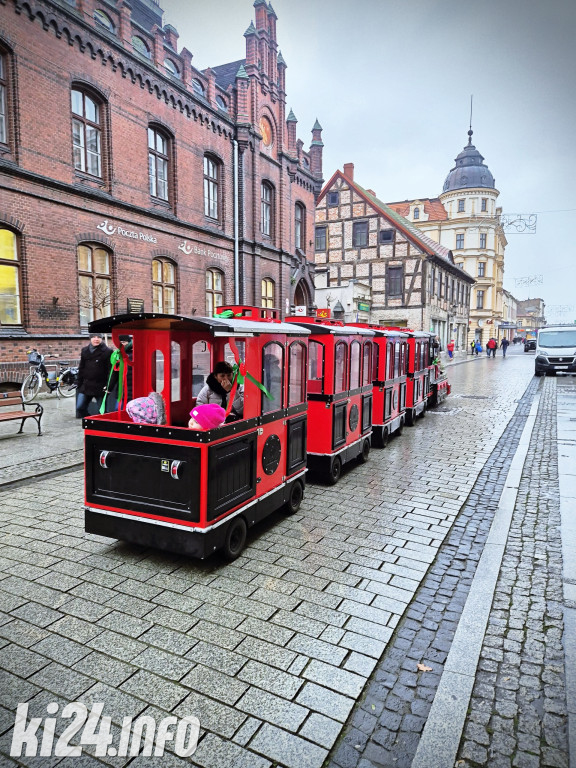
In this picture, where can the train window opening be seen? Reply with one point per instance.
(397, 359)
(375, 362)
(297, 374)
(175, 372)
(390, 360)
(157, 371)
(405, 366)
(272, 378)
(340, 361)
(367, 363)
(229, 355)
(201, 365)
(315, 366)
(354, 365)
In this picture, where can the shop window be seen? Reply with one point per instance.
(214, 290)
(163, 286)
(158, 163)
(297, 374)
(272, 367)
(86, 133)
(355, 350)
(340, 365)
(267, 292)
(10, 279)
(95, 282)
(211, 187)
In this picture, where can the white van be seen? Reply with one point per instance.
(556, 350)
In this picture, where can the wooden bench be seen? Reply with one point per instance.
(12, 408)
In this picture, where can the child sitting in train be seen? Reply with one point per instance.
(217, 388)
(147, 410)
(207, 416)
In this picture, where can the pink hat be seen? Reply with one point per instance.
(209, 416)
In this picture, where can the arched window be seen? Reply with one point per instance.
(267, 292)
(86, 133)
(104, 20)
(300, 227)
(266, 208)
(140, 46)
(10, 308)
(163, 286)
(221, 103)
(198, 87)
(272, 368)
(416, 213)
(211, 187)
(158, 163)
(214, 290)
(172, 68)
(95, 282)
(340, 364)
(3, 98)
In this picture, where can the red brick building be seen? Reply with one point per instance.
(129, 179)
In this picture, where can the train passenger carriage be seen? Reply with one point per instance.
(186, 490)
(390, 364)
(418, 376)
(439, 385)
(340, 363)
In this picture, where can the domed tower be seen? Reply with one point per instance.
(475, 237)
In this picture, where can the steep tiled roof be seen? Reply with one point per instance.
(226, 73)
(433, 207)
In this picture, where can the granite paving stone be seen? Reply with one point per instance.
(287, 749)
(266, 706)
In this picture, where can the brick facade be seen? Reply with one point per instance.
(50, 48)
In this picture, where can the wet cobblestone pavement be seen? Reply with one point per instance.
(273, 652)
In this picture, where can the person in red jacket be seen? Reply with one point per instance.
(491, 347)
(450, 348)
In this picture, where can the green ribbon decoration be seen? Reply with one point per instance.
(116, 359)
(241, 377)
(227, 314)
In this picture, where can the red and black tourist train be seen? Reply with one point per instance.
(317, 394)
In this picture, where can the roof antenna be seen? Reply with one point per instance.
(470, 132)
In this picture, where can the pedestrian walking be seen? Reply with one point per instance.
(491, 347)
(504, 344)
(477, 347)
(450, 348)
(473, 347)
(93, 374)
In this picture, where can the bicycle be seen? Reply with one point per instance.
(64, 381)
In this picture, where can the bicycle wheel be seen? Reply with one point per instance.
(67, 384)
(30, 387)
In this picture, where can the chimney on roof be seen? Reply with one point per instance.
(349, 171)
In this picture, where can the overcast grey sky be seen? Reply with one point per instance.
(390, 82)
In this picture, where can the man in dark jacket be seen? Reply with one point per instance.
(93, 373)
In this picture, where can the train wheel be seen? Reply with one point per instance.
(335, 470)
(401, 427)
(385, 436)
(409, 417)
(235, 538)
(365, 452)
(295, 498)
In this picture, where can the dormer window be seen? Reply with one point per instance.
(416, 213)
(198, 87)
(102, 18)
(172, 68)
(221, 103)
(140, 46)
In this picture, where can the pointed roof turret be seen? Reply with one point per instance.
(271, 11)
(241, 73)
(317, 126)
(260, 2)
(280, 59)
(251, 30)
(469, 171)
(291, 118)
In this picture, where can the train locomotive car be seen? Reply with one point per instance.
(187, 490)
(439, 384)
(418, 375)
(340, 363)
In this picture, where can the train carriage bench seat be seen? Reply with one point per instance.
(18, 412)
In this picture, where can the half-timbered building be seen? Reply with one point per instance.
(413, 280)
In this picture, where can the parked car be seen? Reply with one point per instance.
(530, 345)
